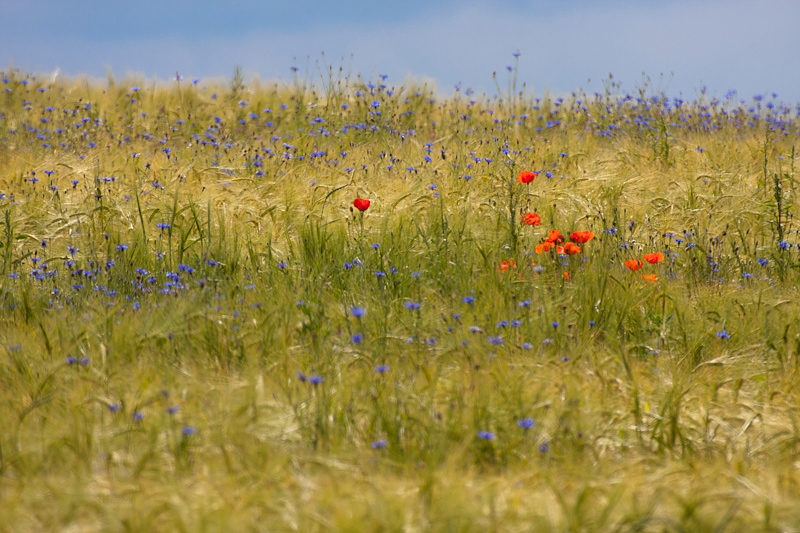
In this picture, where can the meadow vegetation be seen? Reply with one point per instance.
(203, 330)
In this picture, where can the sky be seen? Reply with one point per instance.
(682, 46)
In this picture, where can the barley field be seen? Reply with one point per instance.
(352, 304)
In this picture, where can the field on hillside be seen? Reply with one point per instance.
(351, 304)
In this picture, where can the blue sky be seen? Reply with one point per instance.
(565, 45)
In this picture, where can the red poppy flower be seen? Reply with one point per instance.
(572, 248)
(634, 264)
(526, 176)
(654, 258)
(650, 277)
(544, 247)
(581, 236)
(361, 204)
(555, 237)
(505, 265)
(566, 276)
(531, 219)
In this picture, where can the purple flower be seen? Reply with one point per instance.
(526, 423)
(486, 435)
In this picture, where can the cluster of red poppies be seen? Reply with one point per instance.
(636, 264)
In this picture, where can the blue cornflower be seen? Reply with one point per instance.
(315, 380)
(555, 324)
(723, 334)
(162, 225)
(138, 416)
(173, 409)
(380, 369)
(358, 312)
(544, 447)
(526, 423)
(378, 444)
(486, 435)
(412, 305)
(527, 346)
(495, 340)
(188, 431)
(468, 299)
(357, 338)
(501, 324)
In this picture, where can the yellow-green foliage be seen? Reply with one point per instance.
(200, 332)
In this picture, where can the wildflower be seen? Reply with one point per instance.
(633, 264)
(380, 369)
(378, 444)
(526, 176)
(544, 447)
(468, 299)
(566, 276)
(188, 431)
(486, 435)
(650, 277)
(555, 237)
(412, 305)
(654, 257)
(569, 249)
(495, 340)
(315, 380)
(544, 247)
(505, 265)
(531, 219)
(357, 312)
(361, 204)
(357, 338)
(581, 236)
(723, 334)
(526, 423)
